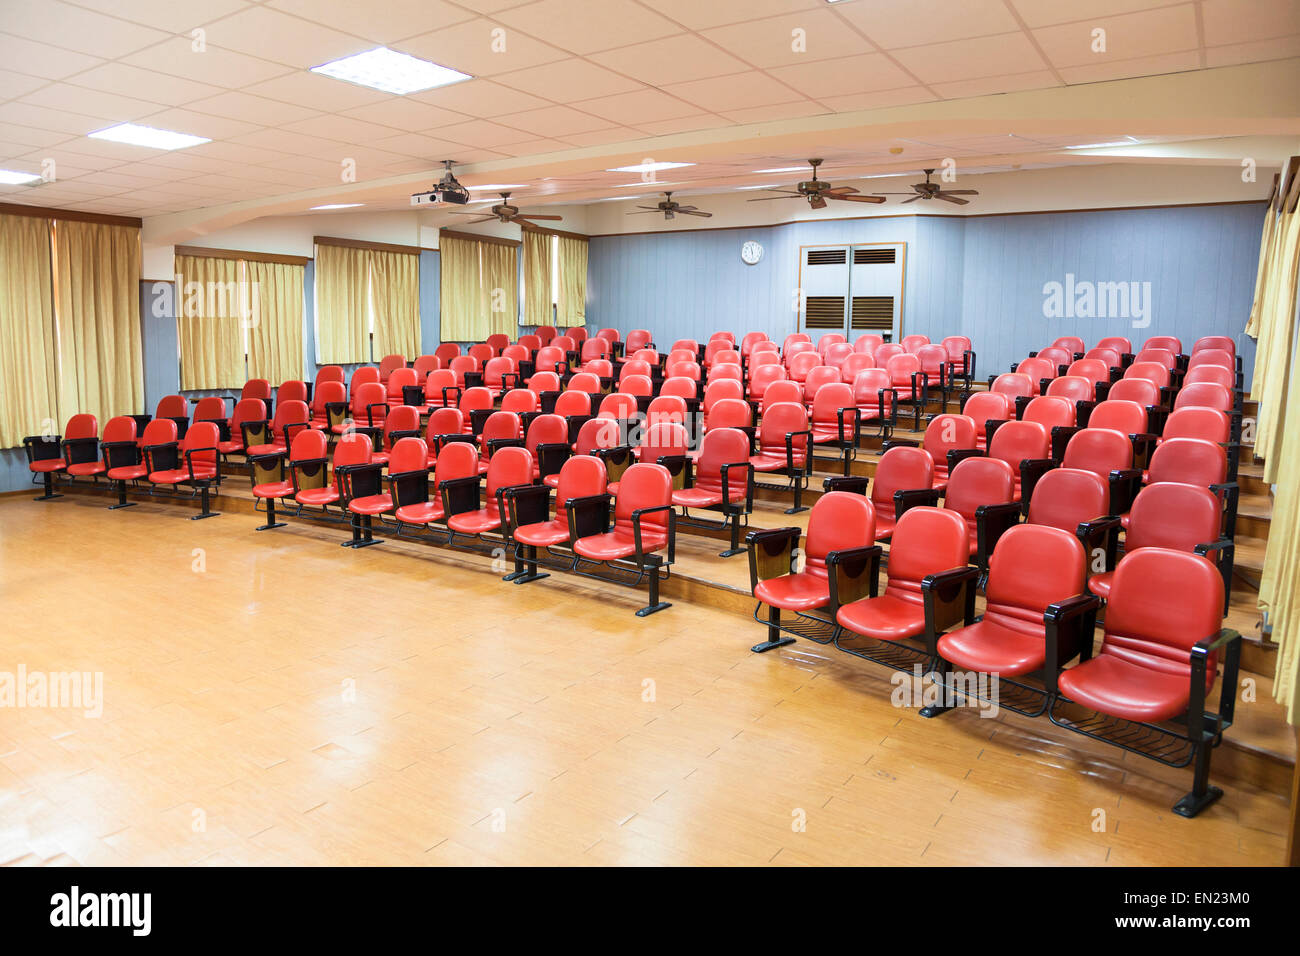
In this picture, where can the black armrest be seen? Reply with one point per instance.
(370, 413)
(588, 515)
(1124, 485)
(80, 451)
(1199, 660)
(442, 441)
(496, 444)
(163, 457)
(1227, 550)
(771, 553)
(853, 574)
(551, 457)
(473, 379)
(727, 482)
(1091, 533)
(525, 505)
(447, 392)
(1069, 625)
(789, 452)
(360, 481)
(906, 499)
(857, 426)
(853, 484)
(957, 455)
(898, 443)
(991, 522)
(636, 531)
(949, 599)
(189, 461)
(459, 495)
(1031, 469)
(413, 395)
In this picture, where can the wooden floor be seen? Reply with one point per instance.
(274, 698)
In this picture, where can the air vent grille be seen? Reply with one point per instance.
(875, 312)
(824, 312)
(872, 256)
(827, 257)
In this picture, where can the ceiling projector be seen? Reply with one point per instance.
(448, 190)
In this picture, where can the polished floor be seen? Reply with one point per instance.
(273, 698)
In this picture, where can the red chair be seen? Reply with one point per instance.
(546, 333)
(177, 408)
(835, 421)
(841, 535)
(718, 390)
(913, 343)
(876, 399)
(1120, 344)
(1039, 371)
(388, 364)
(476, 405)
(1169, 343)
(291, 391)
(446, 352)
(127, 464)
(290, 418)
(785, 447)
(1130, 419)
(528, 520)
(441, 390)
(1026, 447)
(1192, 461)
(868, 343)
(522, 402)
(720, 479)
(982, 491)
(1071, 343)
(732, 413)
(329, 373)
(192, 461)
(412, 500)
(985, 408)
(666, 408)
(1016, 386)
(497, 342)
(1057, 415)
(762, 377)
(909, 383)
(817, 377)
(500, 431)
(329, 406)
(552, 359)
(904, 479)
(510, 468)
(1059, 358)
(944, 434)
(1157, 663)
(466, 370)
(934, 366)
(401, 422)
(424, 364)
(399, 380)
(363, 494)
(367, 409)
(307, 467)
(961, 359)
(930, 588)
(51, 455)
(800, 364)
(1036, 617)
(500, 375)
(1208, 424)
(250, 411)
(1079, 502)
(1079, 390)
(645, 524)
(1108, 454)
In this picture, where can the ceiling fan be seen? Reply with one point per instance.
(928, 190)
(669, 207)
(504, 212)
(817, 191)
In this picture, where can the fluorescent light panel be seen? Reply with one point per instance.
(338, 205)
(643, 185)
(11, 177)
(134, 135)
(390, 71)
(647, 167)
(1126, 141)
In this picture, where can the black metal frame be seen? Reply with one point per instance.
(595, 513)
(732, 512)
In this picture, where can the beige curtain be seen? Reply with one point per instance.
(1276, 333)
(1265, 255)
(27, 371)
(275, 328)
(342, 305)
(571, 310)
(97, 301)
(212, 303)
(500, 287)
(395, 293)
(537, 278)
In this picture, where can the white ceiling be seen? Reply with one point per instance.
(574, 75)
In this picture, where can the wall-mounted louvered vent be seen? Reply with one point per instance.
(827, 257)
(824, 312)
(868, 256)
(872, 311)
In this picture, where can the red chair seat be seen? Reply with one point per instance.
(765, 462)
(48, 464)
(317, 497)
(230, 447)
(1099, 584)
(544, 534)
(825, 433)
(379, 458)
(886, 618)
(371, 504)
(794, 592)
(341, 427)
(273, 489)
(87, 468)
(991, 646)
(552, 481)
(128, 472)
(275, 448)
(619, 544)
(1109, 684)
(174, 476)
(698, 498)
(885, 522)
(474, 522)
(422, 512)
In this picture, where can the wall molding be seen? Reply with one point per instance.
(68, 215)
(211, 253)
(367, 244)
(475, 237)
(930, 215)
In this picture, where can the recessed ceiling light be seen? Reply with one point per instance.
(782, 169)
(643, 185)
(338, 205)
(1126, 141)
(647, 167)
(621, 198)
(10, 177)
(499, 186)
(764, 186)
(134, 135)
(390, 71)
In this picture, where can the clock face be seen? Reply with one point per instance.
(751, 252)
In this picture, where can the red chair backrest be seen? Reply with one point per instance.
(473, 399)
(291, 391)
(926, 541)
(1094, 370)
(597, 433)
(1211, 374)
(457, 460)
(519, 401)
(634, 366)
(499, 425)
(868, 343)
(817, 377)
(609, 335)
(689, 370)
(730, 413)
(352, 449)
(901, 368)
(160, 431)
(1197, 421)
(912, 343)
(637, 339)
(544, 382)
(979, 481)
(1117, 342)
(762, 377)
(519, 352)
(585, 382)
(213, 408)
(1071, 343)
(247, 410)
(1172, 515)
(595, 348)
(398, 379)
(1120, 415)
(839, 521)
(933, 359)
(643, 485)
(721, 388)
(1192, 461)
(1151, 371)
(1168, 342)
(854, 363)
(120, 428)
(636, 384)
(1099, 354)
(446, 352)
(1163, 357)
(1057, 356)
(1064, 497)
(618, 405)
(363, 398)
(81, 425)
(956, 346)
(1141, 390)
(1076, 388)
(1099, 450)
(1014, 384)
(829, 400)
(802, 363)
(664, 438)
(573, 402)
(388, 363)
(1032, 566)
(1223, 342)
(580, 477)
(1050, 411)
(256, 388)
(508, 468)
(201, 441)
(946, 432)
(1036, 369)
(984, 407)
(900, 469)
(866, 388)
(425, 364)
(481, 352)
(496, 342)
(173, 406)
(1204, 395)
(779, 420)
(409, 454)
(548, 357)
(329, 373)
(782, 390)
(544, 334)
(496, 369)
(403, 418)
(751, 339)
(437, 381)
(309, 444)
(1016, 441)
(666, 408)
(445, 421)
(546, 430)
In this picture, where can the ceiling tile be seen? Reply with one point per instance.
(1238, 22)
(766, 114)
(143, 84)
(603, 137)
(402, 113)
(482, 133)
(42, 117)
(1038, 13)
(1128, 37)
(569, 80)
(716, 13)
(41, 59)
(475, 48)
(214, 65)
(772, 42)
(341, 128)
(313, 91)
(639, 107)
(876, 101)
(73, 28)
(683, 124)
(431, 148)
(736, 92)
(15, 85)
(14, 134)
(109, 107)
(1037, 79)
(585, 26)
(969, 59)
(1277, 49)
(381, 22)
(198, 124)
(670, 60)
(481, 98)
(253, 109)
(166, 15)
(271, 35)
(917, 22)
(1120, 69)
(556, 121)
(850, 74)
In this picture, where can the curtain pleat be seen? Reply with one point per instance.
(479, 289)
(571, 310)
(275, 329)
(501, 288)
(1276, 335)
(395, 288)
(342, 305)
(537, 278)
(97, 301)
(27, 370)
(211, 307)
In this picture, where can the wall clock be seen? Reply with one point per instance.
(751, 252)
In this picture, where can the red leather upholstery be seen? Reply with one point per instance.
(574, 402)
(1066, 497)
(1143, 391)
(472, 400)
(666, 408)
(462, 364)
(287, 415)
(817, 377)
(307, 445)
(838, 521)
(975, 482)
(1031, 568)
(780, 420)
(830, 400)
(901, 368)
(913, 343)
(498, 374)
(926, 541)
(1151, 371)
(1161, 603)
(956, 346)
(945, 433)
(402, 419)
(580, 477)
(1224, 342)
(643, 485)
(1191, 461)
(1013, 385)
(1071, 343)
(1109, 356)
(899, 469)
(1058, 357)
(635, 385)
(984, 407)
(291, 391)
(499, 425)
(1050, 411)
(784, 390)
(618, 405)
(160, 431)
(323, 395)
(173, 406)
(1117, 342)
(1208, 424)
(368, 407)
(1093, 370)
(458, 460)
(200, 443)
(388, 364)
(1099, 450)
(730, 413)
(720, 446)
(1036, 369)
(1204, 395)
(1120, 415)
(679, 386)
(868, 343)
(1015, 442)
(397, 381)
(1076, 388)
(509, 467)
(1219, 375)
(801, 363)
(521, 401)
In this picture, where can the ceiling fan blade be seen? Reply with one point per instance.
(548, 218)
(913, 199)
(695, 212)
(644, 211)
(770, 198)
(857, 198)
(893, 194)
(685, 208)
(955, 199)
(959, 192)
(838, 191)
